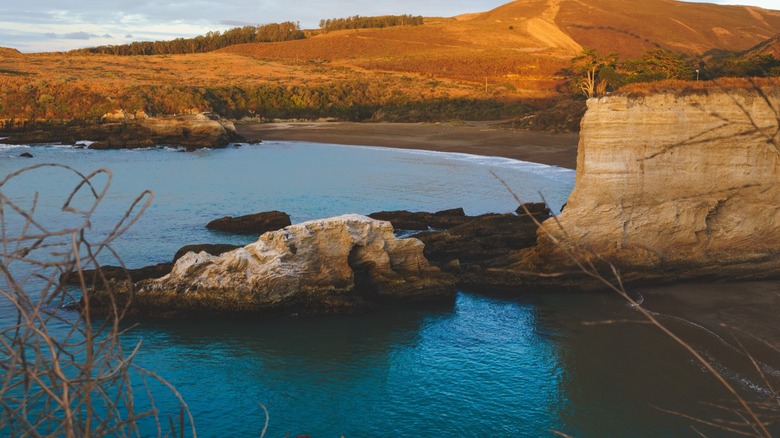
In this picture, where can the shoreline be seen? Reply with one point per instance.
(477, 138)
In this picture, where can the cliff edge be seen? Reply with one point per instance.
(672, 186)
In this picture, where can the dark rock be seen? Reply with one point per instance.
(539, 210)
(210, 248)
(457, 212)
(257, 223)
(26, 155)
(406, 220)
(94, 278)
(480, 239)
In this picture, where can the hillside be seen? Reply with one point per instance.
(628, 27)
(494, 64)
(768, 47)
(524, 43)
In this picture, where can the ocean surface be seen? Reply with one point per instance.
(525, 364)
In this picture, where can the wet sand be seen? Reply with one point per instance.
(479, 138)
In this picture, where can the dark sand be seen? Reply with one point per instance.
(478, 138)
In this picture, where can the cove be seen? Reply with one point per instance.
(483, 365)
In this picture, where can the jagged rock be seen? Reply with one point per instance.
(26, 155)
(210, 248)
(539, 210)
(257, 223)
(480, 239)
(341, 264)
(117, 273)
(406, 220)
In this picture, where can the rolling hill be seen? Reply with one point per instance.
(486, 64)
(524, 43)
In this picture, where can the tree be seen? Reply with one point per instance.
(592, 74)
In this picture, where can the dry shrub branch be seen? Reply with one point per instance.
(63, 373)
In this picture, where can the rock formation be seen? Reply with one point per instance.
(670, 186)
(118, 273)
(120, 130)
(339, 264)
(257, 223)
(406, 220)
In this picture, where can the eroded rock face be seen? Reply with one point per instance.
(673, 186)
(346, 263)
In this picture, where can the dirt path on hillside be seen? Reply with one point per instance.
(479, 138)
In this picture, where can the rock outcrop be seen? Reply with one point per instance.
(257, 223)
(118, 273)
(669, 186)
(120, 130)
(342, 264)
(419, 220)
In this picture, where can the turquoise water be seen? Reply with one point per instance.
(485, 365)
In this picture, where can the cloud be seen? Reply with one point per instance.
(45, 25)
(77, 36)
(236, 23)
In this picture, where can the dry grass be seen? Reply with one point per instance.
(512, 52)
(691, 28)
(694, 87)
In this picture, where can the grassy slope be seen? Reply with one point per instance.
(516, 48)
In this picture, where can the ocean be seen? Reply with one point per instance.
(489, 364)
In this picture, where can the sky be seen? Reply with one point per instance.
(58, 25)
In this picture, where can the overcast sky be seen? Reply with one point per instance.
(54, 25)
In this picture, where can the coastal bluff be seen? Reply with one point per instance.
(343, 264)
(670, 186)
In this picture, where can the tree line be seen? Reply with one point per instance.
(274, 32)
(267, 33)
(358, 22)
(592, 74)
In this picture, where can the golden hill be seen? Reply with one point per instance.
(768, 47)
(513, 53)
(524, 43)
(9, 52)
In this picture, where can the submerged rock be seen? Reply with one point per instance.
(257, 223)
(342, 264)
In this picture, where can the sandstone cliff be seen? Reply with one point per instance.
(340, 264)
(673, 186)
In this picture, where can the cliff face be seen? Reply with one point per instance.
(674, 185)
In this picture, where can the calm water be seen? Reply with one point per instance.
(485, 365)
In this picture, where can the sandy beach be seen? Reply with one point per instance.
(479, 138)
